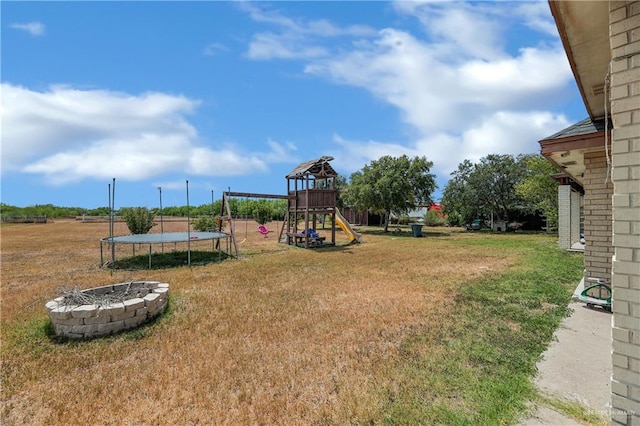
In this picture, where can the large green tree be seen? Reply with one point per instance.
(494, 180)
(486, 188)
(392, 184)
(460, 204)
(539, 189)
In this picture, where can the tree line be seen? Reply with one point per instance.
(503, 187)
(239, 208)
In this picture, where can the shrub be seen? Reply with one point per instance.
(262, 213)
(203, 223)
(139, 219)
(433, 218)
(208, 223)
(455, 219)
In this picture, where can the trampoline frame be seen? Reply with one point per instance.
(162, 238)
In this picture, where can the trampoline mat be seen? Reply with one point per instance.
(167, 237)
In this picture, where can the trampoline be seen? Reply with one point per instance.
(166, 237)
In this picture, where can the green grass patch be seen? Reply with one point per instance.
(574, 410)
(478, 368)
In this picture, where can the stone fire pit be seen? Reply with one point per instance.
(105, 310)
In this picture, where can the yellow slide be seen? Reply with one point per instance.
(344, 225)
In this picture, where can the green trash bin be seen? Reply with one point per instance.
(416, 228)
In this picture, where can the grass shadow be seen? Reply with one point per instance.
(328, 247)
(405, 233)
(168, 260)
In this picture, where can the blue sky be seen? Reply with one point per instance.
(237, 94)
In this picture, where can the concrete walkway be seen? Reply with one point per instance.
(576, 366)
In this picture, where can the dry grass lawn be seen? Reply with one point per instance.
(283, 335)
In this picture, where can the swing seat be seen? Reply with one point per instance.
(263, 230)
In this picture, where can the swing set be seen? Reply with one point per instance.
(311, 193)
(226, 214)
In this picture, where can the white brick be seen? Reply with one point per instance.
(618, 388)
(625, 404)
(624, 255)
(161, 290)
(629, 241)
(100, 319)
(134, 321)
(84, 329)
(133, 304)
(618, 14)
(151, 298)
(84, 311)
(51, 305)
(111, 327)
(628, 159)
(620, 417)
(627, 349)
(621, 227)
(115, 308)
(626, 321)
(620, 334)
(123, 316)
(620, 200)
(624, 375)
(628, 268)
(621, 361)
(620, 307)
(60, 313)
(69, 321)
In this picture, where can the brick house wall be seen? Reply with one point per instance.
(564, 216)
(568, 216)
(598, 189)
(576, 216)
(624, 36)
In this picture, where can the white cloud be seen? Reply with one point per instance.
(504, 132)
(318, 27)
(351, 155)
(176, 185)
(434, 95)
(294, 39)
(520, 80)
(225, 162)
(508, 132)
(258, 13)
(68, 135)
(34, 28)
(280, 152)
(537, 17)
(459, 29)
(459, 88)
(282, 46)
(213, 49)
